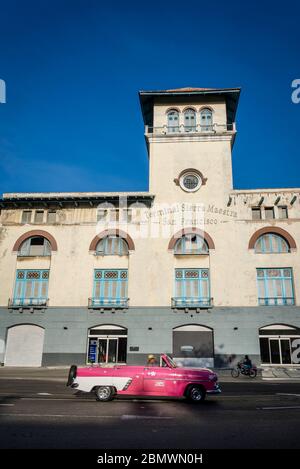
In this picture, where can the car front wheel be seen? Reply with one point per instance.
(104, 393)
(196, 394)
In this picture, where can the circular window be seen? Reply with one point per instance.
(190, 181)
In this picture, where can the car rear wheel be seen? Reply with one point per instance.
(196, 394)
(104, 393)
(72, 375)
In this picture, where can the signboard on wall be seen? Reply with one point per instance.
(92, 353)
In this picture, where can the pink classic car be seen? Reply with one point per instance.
(164, 380)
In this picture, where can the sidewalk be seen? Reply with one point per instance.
(281, 374)
(224, 375)
(264, 374)
(17, 372)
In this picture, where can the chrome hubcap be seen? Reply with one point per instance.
(103, 393)
(196, 394)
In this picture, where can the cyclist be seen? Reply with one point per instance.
(247, 364)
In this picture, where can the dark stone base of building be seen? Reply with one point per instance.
(216, 337)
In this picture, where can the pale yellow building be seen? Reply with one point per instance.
(193, 267)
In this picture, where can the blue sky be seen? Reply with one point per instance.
(73, 68)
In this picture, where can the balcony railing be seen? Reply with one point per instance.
(108, 302)
(197, 129)
(28, 302)
(191, 302)
(276, 301)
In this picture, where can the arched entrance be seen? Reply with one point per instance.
(193, 345)
(107, 343)
(24, 345)
(279, 344)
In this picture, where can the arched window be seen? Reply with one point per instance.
(190, 120)
(194, 341)
(191, 244)
(173, 121)
(271, 243)
(206, 120)
(112, 245)
(35, 246)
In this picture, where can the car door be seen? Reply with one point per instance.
(156, 381)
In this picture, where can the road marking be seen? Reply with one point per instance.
(44, 394)
(53, 399)
(238, 396)
(287, 394)
(279, 408)
(61, 416)
(89, 399)
(282, 379)
(15, 378)
(123, 417)
(33, 394)
(147, 400)
(141, 417)
(7, 405)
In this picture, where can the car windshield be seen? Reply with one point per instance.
(171, 361)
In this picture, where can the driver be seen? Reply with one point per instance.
(151, 360)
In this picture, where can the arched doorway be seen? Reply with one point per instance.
(24, 345)
(279, 344)
(193, 345)
(107, 343)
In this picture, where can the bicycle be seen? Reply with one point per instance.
(243, 370)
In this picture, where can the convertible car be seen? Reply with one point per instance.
(165, 380)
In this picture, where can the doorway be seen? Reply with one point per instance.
(107, 344)
(24, 345)
(112, 349)
(276, 351)
(193, 345)
(278, 343)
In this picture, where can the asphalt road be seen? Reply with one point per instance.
(39, 411)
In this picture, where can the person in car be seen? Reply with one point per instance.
(151, 360)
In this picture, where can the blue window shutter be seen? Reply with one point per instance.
(31, 287)
(192, 287)
(275, 286)
(110, 286)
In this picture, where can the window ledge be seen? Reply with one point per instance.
(31, 256)
(192, 303)
(107, 303)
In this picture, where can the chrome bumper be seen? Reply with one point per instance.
(217, 390)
